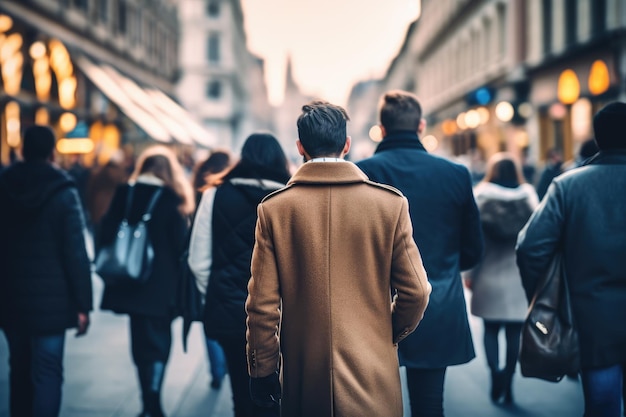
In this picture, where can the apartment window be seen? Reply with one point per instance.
(214, 48)
(547, 26)
(571, 27)
(214, 90)
(501, 31)
(103, 10)
(598, 16)
(121, 17)
(213, 8)
(79, 4)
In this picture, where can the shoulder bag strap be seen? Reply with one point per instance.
(148, 214)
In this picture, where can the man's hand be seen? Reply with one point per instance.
(83, 324)
(265, 391)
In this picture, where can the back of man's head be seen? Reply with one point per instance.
(38, 143)
(400, 110)
(322, 128)
(609, 126)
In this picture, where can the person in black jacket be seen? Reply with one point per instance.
(446, 228)
(45, 285)
(582, 216)
(152, 305)
(220, 252)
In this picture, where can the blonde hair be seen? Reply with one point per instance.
(161, 162)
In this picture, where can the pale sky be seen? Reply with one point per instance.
(333, 43)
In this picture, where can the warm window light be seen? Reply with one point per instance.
(375, 133)
(568, 89)
(599, 79)
(472, 119)
(430, 143)
(10, 46)
(460, 121)
(5, 23)
(557, 111)
(43, 82)
(449, 127)
(12, 115)
(67, 91)
(42, 116)
(504, 111)
(37, 50)
(75, 146)
(67, 121)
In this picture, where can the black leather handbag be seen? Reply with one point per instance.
(128, 259)
(549, 347)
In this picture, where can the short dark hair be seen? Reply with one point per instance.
(400, 110)
(608, 126)
(38, 143)
(322, 128)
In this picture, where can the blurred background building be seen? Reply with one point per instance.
(518, 75)
(221, 82)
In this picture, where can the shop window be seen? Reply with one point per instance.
(547, 26)
(121, 17)
(571, 17)
(214, 48)
(103, 10)
(213, 8)
(79, 4)
(598, 16)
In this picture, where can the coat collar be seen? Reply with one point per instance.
(328, 173)
(608, 157)
(401, 139)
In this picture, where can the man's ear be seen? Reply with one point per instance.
(301, 150)
(346, 147)
(422, 127)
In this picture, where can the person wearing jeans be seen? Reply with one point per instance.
(45, 284)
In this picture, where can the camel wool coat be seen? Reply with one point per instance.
(331, 249)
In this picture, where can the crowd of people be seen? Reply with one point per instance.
(319, 282)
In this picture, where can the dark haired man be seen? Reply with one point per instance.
(446, 228)
(329, 249)
(45, 285)
(582, 216)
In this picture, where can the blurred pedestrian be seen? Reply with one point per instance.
(151, 305)
(102, 185)
(587, 149)
(505, 201)
(222, 239)
(330, 249)
(207, 174)
(552, 169)
(45, 286)
(446, 228)
(582, 217)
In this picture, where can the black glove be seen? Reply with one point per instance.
(265, 391)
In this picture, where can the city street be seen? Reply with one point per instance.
(100, 380)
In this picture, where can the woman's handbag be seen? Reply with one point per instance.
(128, 259)
(549, 344)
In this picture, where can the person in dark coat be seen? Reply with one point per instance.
(151, 306)
(45, 285)
(583, 217)
(220, 251)
(446, 228)
(553, 168)
(505, 202)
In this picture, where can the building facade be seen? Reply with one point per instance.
(221, 82)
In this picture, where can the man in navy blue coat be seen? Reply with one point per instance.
(446, 228)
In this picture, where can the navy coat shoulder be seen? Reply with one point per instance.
(45, 278)
(167, 230)
(447, 231)
(584, 215)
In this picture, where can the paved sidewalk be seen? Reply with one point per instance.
(100, 380)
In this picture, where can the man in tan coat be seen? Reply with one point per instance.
(337, 281)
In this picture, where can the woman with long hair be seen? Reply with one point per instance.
(505, 202)
(151, 305)
(220, 252)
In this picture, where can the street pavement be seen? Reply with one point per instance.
(100, 379)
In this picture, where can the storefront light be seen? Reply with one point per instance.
(12, 116)
(568, 89)
(37, 50)
(67, 121)
(67, 93)
(6, 23)
(10, 46)
(557, 111)
(42, 116)
(472, 119)
(430, 143)
(599, 78)
(582, 112)
(483, 112)
(449, 127)
(460, 121)
(504, 111)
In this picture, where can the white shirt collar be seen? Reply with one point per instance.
(327, 159)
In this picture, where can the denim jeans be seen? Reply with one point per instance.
(36, 374)
(217, 360)
(603, 390)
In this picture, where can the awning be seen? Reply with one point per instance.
(116, 94)
(150, 108)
